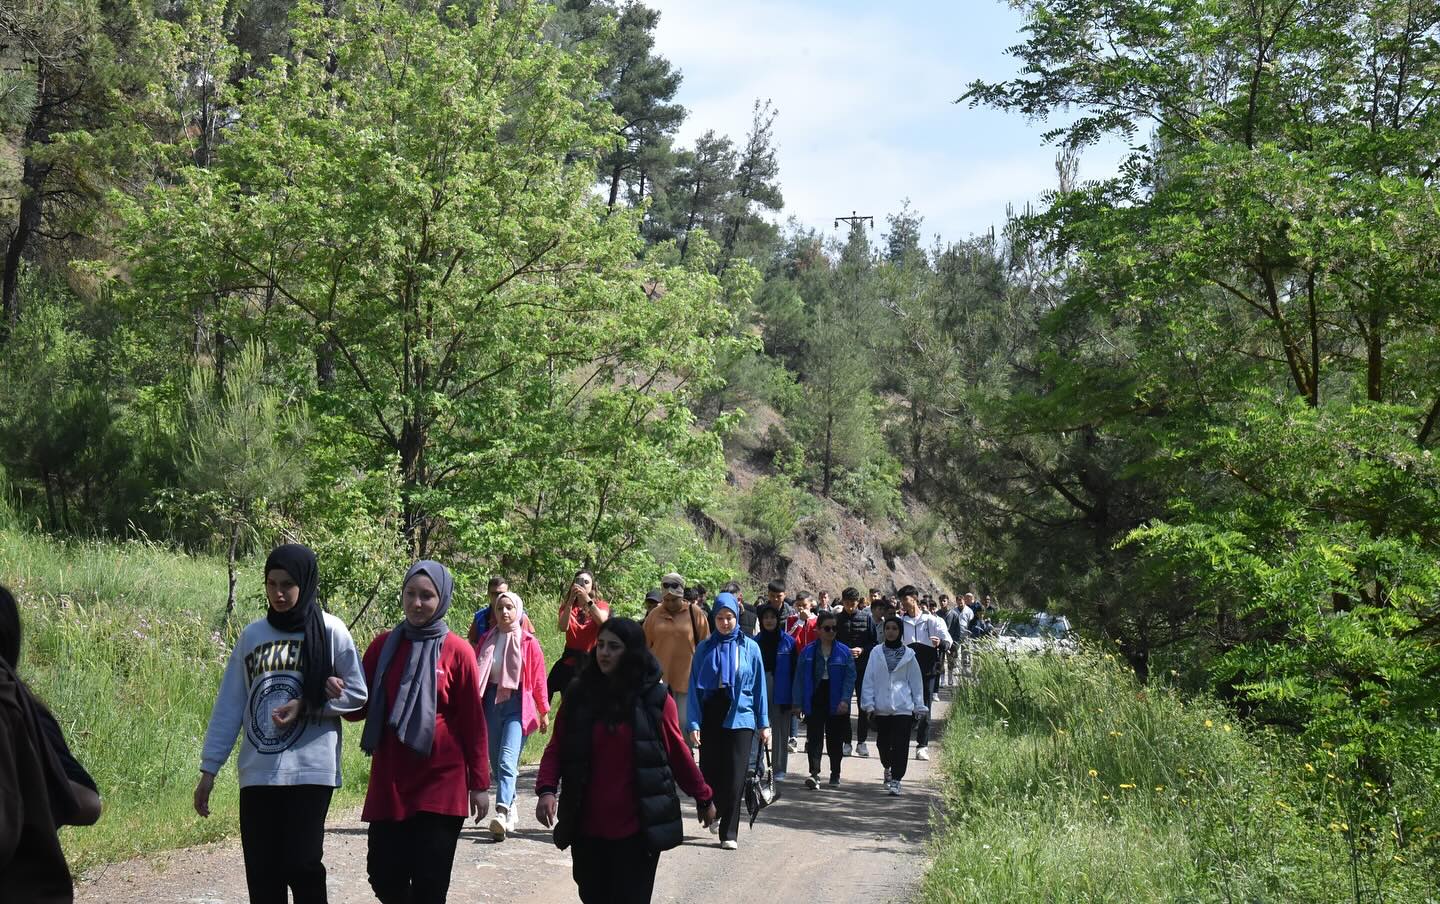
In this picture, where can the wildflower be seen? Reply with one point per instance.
(1093, 773)
(1209, 724)
(1116, 734)
(1127, 787)
(1159, 787)
(1309, 767)
(1225, 727)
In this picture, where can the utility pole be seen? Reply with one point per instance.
(854, 220)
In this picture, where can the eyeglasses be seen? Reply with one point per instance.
(673, 586)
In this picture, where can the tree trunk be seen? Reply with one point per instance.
(230, 563)
(325, 365)
(615, 185)
(829, 455)
(31, 183)
(1375, 359)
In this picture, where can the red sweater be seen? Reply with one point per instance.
(402, 782)
(611, 810)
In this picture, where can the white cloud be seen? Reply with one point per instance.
(866, 112)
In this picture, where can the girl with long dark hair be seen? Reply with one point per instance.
(610, 777)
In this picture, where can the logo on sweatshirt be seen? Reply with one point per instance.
(275, 689)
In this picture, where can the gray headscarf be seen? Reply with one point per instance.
(414, 716)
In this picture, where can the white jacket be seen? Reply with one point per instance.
(897, 693)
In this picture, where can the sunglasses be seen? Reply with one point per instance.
(672, 586)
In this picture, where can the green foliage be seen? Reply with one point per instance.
(1067, 780)
(871, 490)
(485, 336)
(773, 510)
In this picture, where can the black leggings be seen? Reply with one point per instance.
(724, 758)
(824, 728)
(613, 872)
(893, 738)
(282, 834)
(410, 860)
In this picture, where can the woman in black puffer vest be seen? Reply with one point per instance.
(615, 759)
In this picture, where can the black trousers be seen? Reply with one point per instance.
(613, 872)
(862, 719)
(282, 834)
(893, 738)
(922, 726)
(823, 728)
(724, 757)
(409, 860)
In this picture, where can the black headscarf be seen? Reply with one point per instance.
(34, 714)
(769, 641)
(612, 697)
(895, 644)
(306, 617)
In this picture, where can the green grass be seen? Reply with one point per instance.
(1067, 781)
(126, 644)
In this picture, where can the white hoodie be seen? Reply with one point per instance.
(897, 693)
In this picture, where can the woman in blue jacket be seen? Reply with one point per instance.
(777, 652)
(824, 681)
(726, 708)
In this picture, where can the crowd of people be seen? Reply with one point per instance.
(682, 700)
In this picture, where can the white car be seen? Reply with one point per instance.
(1029, 638)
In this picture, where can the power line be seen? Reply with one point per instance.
(854, 220)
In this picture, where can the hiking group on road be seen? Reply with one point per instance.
(696, 698)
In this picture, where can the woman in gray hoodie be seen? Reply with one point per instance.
(290, 678)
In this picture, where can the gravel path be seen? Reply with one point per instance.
(852, 843)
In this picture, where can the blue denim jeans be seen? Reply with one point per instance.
(502, 720)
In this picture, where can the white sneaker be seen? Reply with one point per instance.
(793, 744)
(846, 750)
(715, 827)
(813, 783)
(922, 753)
(512, 819)
(729, 845)
(862, 749)
(894, 789)
(498, 828)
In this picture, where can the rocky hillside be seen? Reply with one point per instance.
(832, 548)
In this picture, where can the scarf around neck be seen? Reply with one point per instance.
(725, 652)
(413, 718)
(503, 648)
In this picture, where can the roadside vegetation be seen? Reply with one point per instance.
(1066, 780)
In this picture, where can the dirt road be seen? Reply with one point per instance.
(852, 843)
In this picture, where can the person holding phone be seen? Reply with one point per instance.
(582, 613)
(610, 777)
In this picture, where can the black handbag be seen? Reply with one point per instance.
(760, 790)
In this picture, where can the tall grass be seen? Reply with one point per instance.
(127, 644)
(1067, 781)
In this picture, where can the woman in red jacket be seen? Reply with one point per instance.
(425, 727)
(512, 672)
(616, 758)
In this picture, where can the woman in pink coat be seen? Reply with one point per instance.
(512, 672)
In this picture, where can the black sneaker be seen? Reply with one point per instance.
(834, 781)
(813, 782)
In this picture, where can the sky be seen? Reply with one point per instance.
(865, 93)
